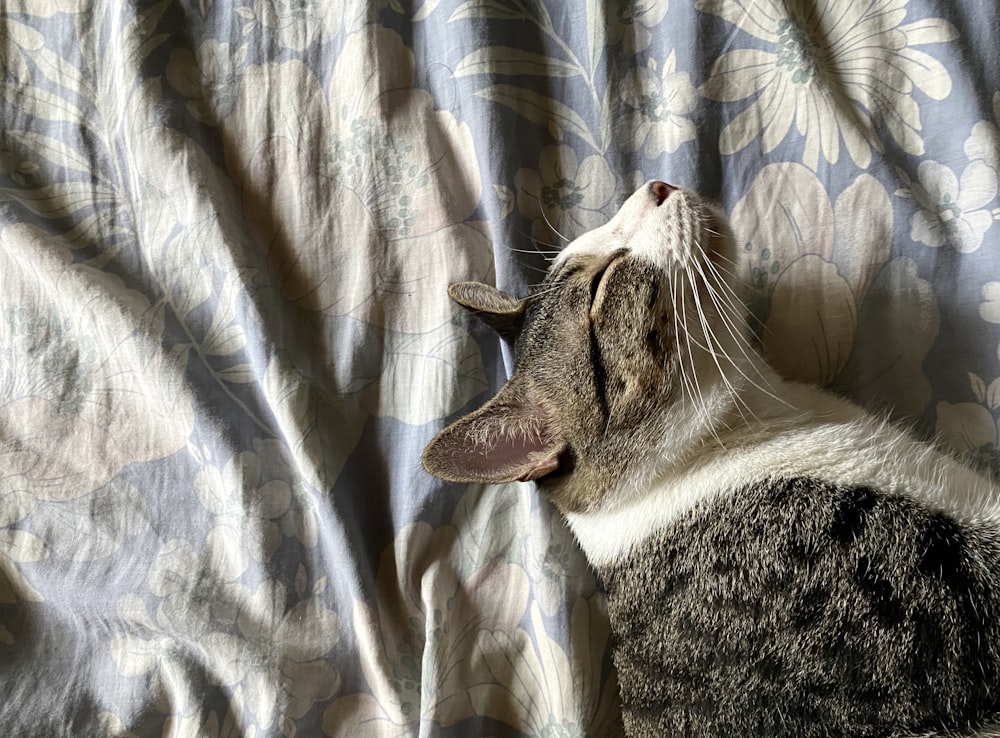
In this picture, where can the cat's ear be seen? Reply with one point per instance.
(506, 440)
(500, 311)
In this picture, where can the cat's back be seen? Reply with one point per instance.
(797, 607)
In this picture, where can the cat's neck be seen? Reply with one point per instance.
(778, 429)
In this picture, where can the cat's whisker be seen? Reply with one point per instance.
(732, 262)
(687, 377)
(685, 380)
(740, 337)
(737, 302)
(721, 287)
(541, 210)
(720, 270)
(732, 296)
(540, 270)
(714, 349)
(764, 384)
(550, 247)
(555, 230)
(548, 254)
(694, 370)
(533, 252)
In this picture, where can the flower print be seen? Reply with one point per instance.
(162, 650)
(209, 78)
(419, 638)
(658, 107)
(989, 308)
(76, 365)
(822, 65)
(984, 140)
(197, 593)
(253, 491)
(565, 196)
(276, 662)
(407, 182)
(630, 22)
(557, 567)
(198, 587)
(270, 657)
(952, 210)
(541, 689)
(970, 428)
(822, 280)
(298, 24)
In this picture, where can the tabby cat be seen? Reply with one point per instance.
(777, 560)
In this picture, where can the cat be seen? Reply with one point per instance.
(777, 560)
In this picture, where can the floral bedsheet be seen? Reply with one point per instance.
(226, 231)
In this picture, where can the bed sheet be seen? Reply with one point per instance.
(226, 232)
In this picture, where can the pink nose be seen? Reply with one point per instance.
(661, 191)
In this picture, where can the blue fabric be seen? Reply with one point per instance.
(226, 231)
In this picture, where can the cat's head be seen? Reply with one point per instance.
(626, 356)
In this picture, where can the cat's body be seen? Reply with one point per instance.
(778, 562)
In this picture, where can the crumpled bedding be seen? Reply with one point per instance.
(226, 232)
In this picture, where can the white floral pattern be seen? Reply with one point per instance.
(818, 270)
(209, 78)
(419, 643)
(226, 234)
(565, 197)
(970, 428)
(953, 210)
(832, 70)
(560, 701)
(631, 23)
(983, 143)
(389, 198)
(273, 664)
(660, 109)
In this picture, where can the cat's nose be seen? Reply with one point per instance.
(661, 191)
